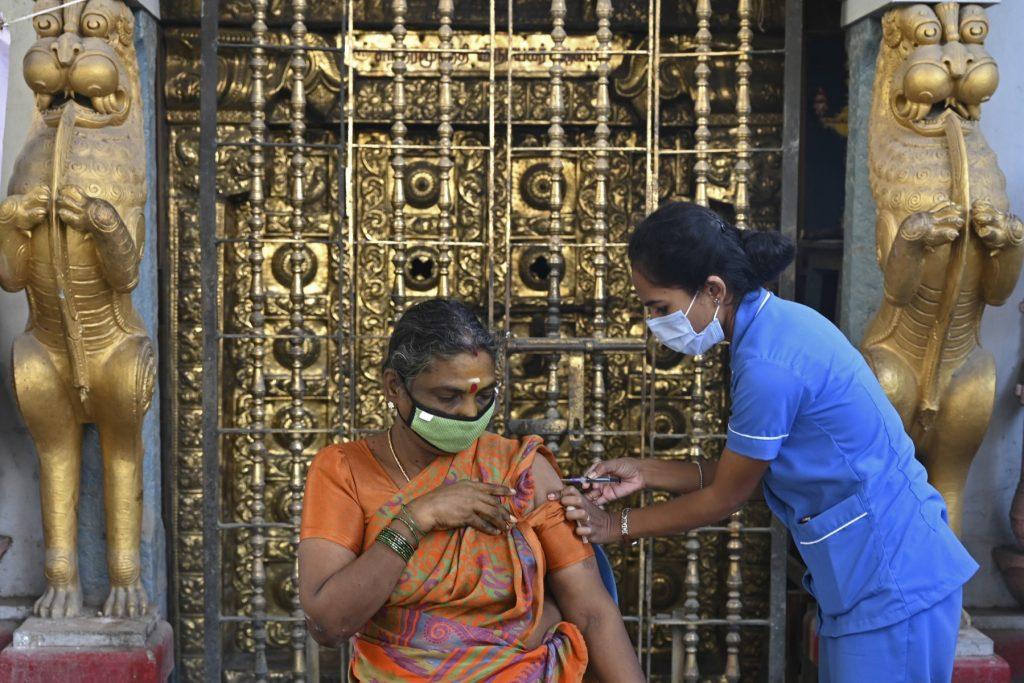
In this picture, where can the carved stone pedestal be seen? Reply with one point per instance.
(976, 660)
(1006, 629)
(89, 650)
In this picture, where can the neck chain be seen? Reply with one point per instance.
(394, 455)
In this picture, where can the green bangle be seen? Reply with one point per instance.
(405, 517)
(396, 542)
(410, 527)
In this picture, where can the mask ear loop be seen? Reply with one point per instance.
(716, 301)
(415, 405)
(690, 307)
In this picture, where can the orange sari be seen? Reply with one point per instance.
(467, 601)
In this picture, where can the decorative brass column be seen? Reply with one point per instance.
(556, 261)
(298, 332)
(702, 167)
(398, 165)
(445, 8)
(256, 440)
(741, 169)
(602, 135)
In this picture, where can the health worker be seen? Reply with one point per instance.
(812, 426)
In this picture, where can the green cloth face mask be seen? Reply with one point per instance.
(449, 433)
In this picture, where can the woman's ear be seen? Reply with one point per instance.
(392, 385)
(717, 289)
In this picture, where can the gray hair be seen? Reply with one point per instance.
(432, 329)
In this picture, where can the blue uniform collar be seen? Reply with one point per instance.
(748, 309)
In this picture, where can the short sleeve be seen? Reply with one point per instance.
(766, 398)
(330, 509)
(562, 547)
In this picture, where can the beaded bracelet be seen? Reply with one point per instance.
(396, 542)
(405, 517)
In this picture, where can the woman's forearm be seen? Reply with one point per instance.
(611, 655)
(687, 479)
(684, 513)
(677, 476)
(354, 593)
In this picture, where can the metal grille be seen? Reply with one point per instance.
(353, 157)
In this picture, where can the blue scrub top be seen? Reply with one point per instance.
(843, 477)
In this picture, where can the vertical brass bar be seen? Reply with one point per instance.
(444, 203)
(734, 578)
(210, 287)
(703, 105)
(509, 203)
(691, 606)
(702, 168)
(492, 142)
(398, 132)
(312, 661)
(653, 91)
(350, 212)
(257, 321)
(734, 604)
(506, 396)
(743, 72)
(645, 627)
(297, 302)
(343, 279)
(654, 68)
(678, 649)
(643, 565)
(576, 414)
(556, 141)
(602, 135)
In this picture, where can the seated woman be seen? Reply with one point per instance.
(433, 544)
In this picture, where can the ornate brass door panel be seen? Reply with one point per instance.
(356, 157)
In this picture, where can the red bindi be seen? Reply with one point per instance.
(473, 387)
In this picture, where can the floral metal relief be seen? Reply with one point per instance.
(498, 212)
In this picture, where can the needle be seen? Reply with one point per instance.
(591, 480)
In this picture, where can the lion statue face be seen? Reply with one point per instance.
(81, 55)
(941, 67)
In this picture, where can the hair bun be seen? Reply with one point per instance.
(770, 252)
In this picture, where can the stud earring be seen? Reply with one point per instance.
(391, 406)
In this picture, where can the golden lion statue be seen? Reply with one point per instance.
(71, 236)
(946, 243)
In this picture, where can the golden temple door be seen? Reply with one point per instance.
(330, 162)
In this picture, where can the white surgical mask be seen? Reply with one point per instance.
(676, 332)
